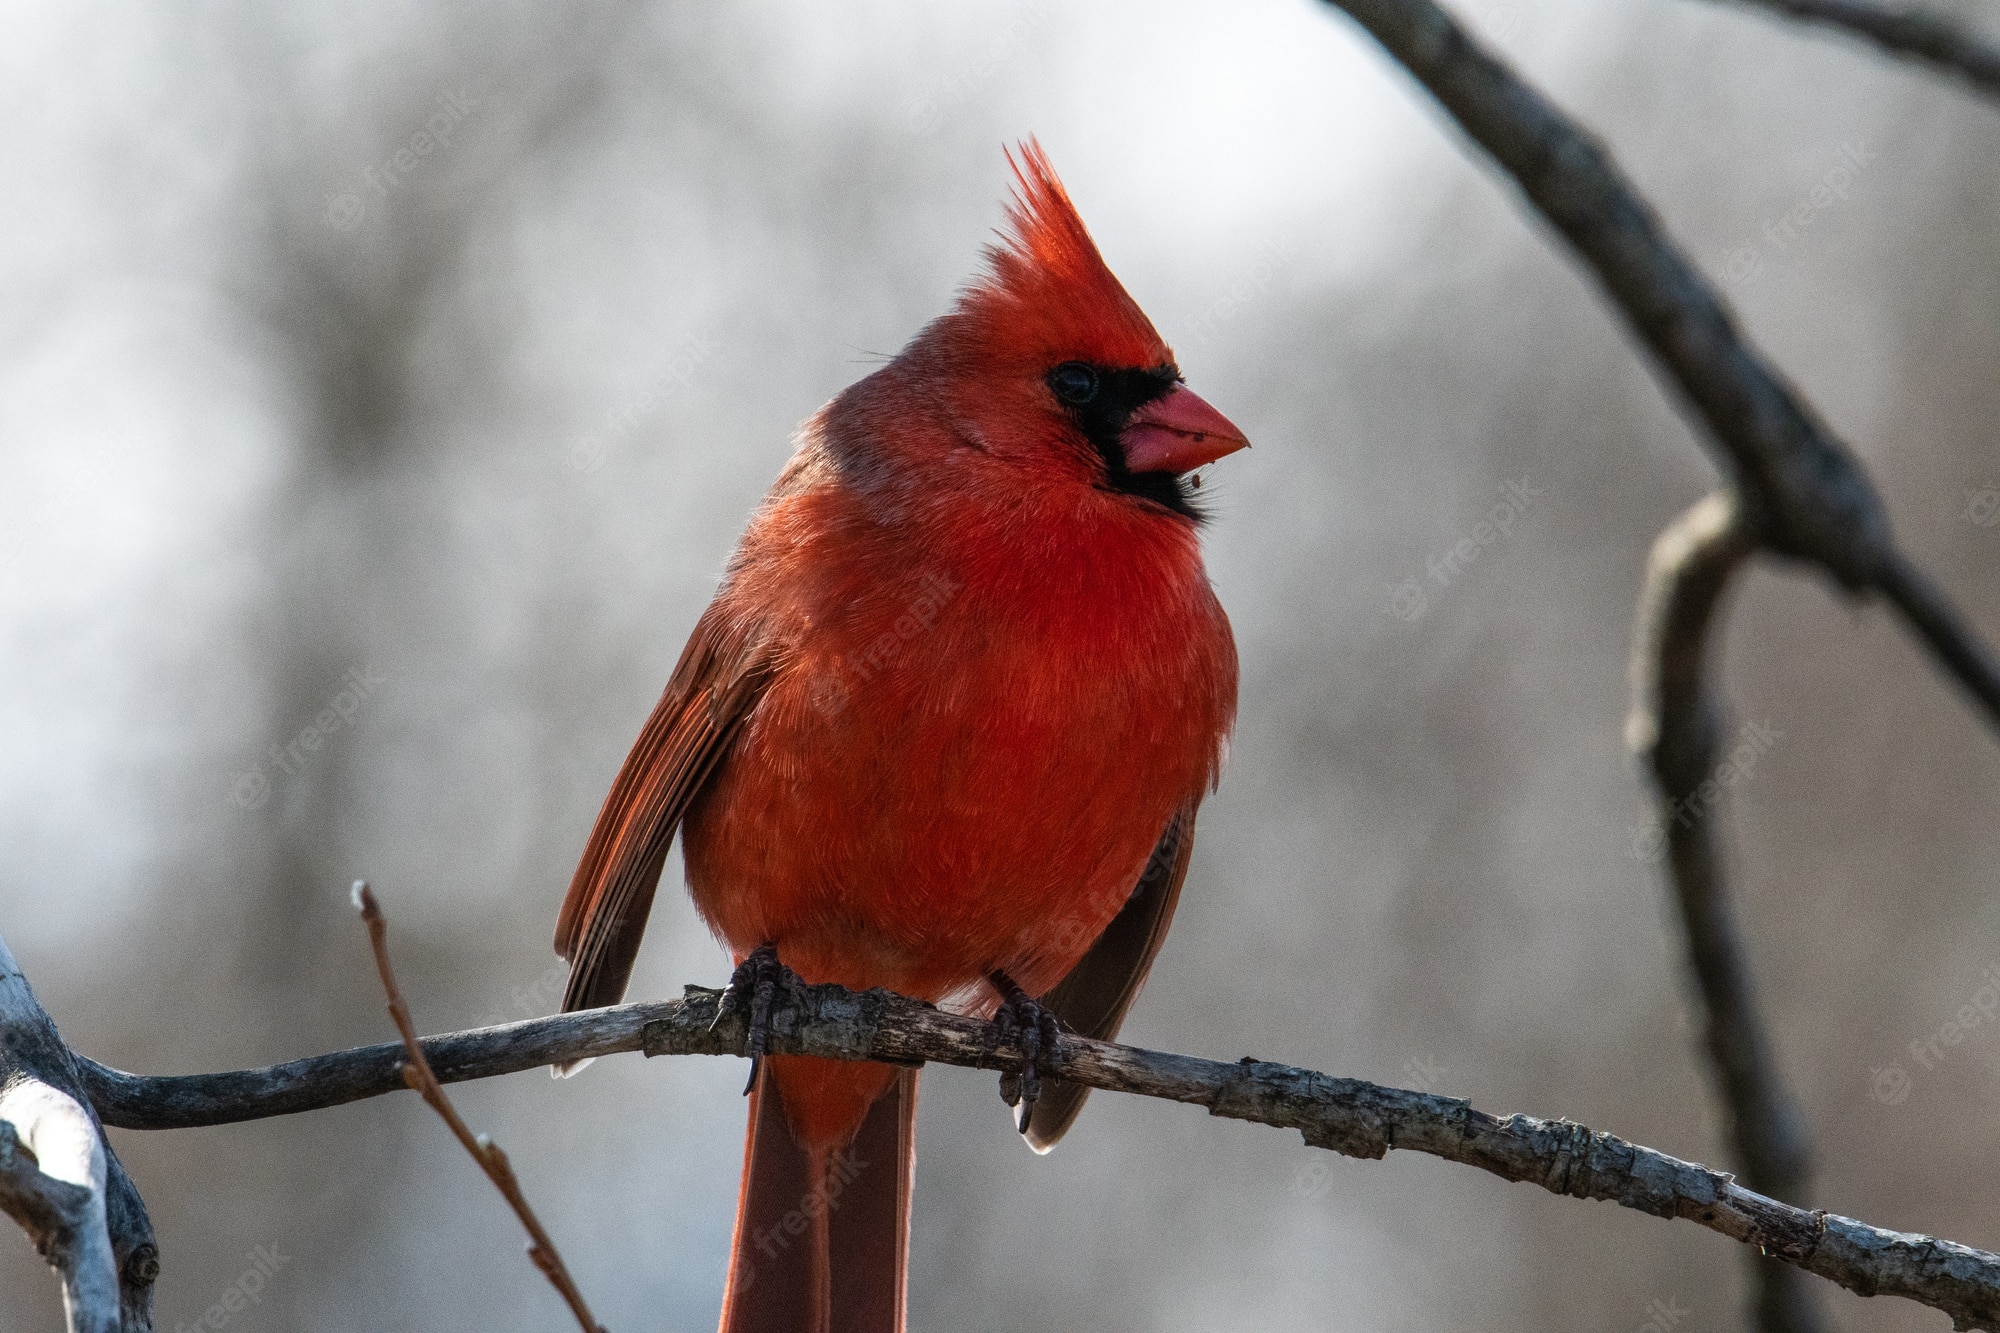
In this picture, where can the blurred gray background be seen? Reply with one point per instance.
(480, 425)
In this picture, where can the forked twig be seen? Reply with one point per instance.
(1676, 727)
(417, 1073)
(1803, 493)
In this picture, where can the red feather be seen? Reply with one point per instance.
(962, 681)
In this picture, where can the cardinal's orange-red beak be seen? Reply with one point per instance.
(1178, 433)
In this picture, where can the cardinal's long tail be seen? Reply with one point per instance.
(823, 1232)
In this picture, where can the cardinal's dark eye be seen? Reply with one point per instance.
(1074, 382)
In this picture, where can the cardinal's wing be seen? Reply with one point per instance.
(719, 679)
(1093, 998)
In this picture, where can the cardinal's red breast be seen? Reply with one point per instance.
(991, 695)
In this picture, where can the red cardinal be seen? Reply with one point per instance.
(943, 729)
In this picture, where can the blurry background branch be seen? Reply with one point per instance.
(60, 1180)
(1797, 491)
(1802, 493)
(1348, 1116)
(1906, 32)
(1676, 727)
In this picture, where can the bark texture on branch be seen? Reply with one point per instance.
(62, 1213)
(1348, 1116)
(1677, 727)
(1803, 494)
(1906, 33)
(60, 1180)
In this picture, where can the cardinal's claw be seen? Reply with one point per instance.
(755, 984)
(1021, 1018)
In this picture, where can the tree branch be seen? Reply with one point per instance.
(1802, 492)
(1345, 1115)
(416, 1072)
(1677, 727)
(59, 1178)
(62, 1211)
(1907, 34)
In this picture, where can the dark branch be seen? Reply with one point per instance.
(1803, 494)
(188, 1101)
(1345, 1115)
(62, 1219)
(59, 1178)
(1677, 727)
(1908, 34)
(1925, 606)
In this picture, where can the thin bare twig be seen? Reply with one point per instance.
(1802, 492)
(1918, 34)
(1342, 1114)
(416, 1072)
(1676, 726)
